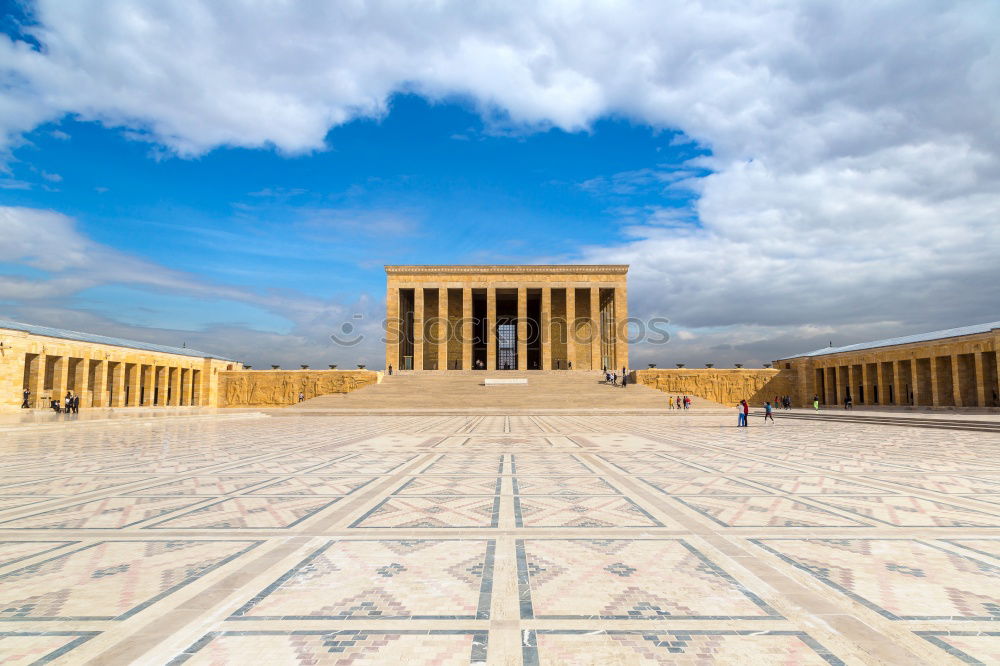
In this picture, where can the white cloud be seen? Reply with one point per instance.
(71, 262)
(855, 167)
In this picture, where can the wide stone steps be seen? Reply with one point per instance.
(467, 390)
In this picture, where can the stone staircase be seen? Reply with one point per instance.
(546, 390)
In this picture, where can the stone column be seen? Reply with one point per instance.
(956, 384)
(175, 386)
(197, 387)
(897, 387)
(118, 381)
(545, 315)
(467, 328)
(162, 383)
(935, 386)
(418, 328)
(99, 388)
(392, 327)
(443, 329)
(186, 386)
(83, 383)
(132, 377)
(571, 326)
(149, 385)
(914, 381)
(37, 387)
(491, 328)
(60, 378)
(982, 394)
(851, 381)
(522, 328)
(621, 330)
(866, 384)
(595, 328)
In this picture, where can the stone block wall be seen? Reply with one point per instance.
(726, 386)
(279, 388)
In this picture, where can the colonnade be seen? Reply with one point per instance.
(102, 382)
(968, 378)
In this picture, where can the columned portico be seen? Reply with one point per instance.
(506, 317)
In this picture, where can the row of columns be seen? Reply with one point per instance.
(106, 383)
(959, 380)
(619, 351)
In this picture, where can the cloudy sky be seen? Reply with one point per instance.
(233, 175)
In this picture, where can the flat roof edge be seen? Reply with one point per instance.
(97, 339)
(499, 269)
(962, 331)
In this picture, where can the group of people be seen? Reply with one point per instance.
(783, 401)
(743, 410)
(611, 377)
(70, 405)
(678, 402)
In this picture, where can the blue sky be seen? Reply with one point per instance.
(238, 184)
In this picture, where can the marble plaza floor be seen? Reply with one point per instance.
(501, 539)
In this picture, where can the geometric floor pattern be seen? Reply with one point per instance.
(565, 538)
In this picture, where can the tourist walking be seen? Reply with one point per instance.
(678, 402)
(687, 402)
(670, 402)
(767, 412)
(848, 402)
(746, 413)
(740, 416)
(816, 402)
(27, 398)
(390, 369)
(624, 380)
(76, 403)
(302, 396)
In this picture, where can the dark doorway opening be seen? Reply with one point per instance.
(506, 329)
(478, 329)
(534, 330)
(507, 346)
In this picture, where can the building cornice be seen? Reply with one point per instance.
(497, 269)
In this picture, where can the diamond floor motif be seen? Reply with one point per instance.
(609, 539)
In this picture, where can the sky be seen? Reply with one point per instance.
(232, 176)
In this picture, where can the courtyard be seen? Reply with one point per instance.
(549, 538)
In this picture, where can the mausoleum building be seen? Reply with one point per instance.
(565, 317)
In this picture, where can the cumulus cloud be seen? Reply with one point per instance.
(853, 173)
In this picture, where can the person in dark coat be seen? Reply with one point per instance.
(27, 397)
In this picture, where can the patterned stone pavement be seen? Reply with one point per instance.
(523, 539)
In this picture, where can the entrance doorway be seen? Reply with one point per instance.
(506, 346)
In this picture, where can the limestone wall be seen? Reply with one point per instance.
(278, 388)
(726, 386)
